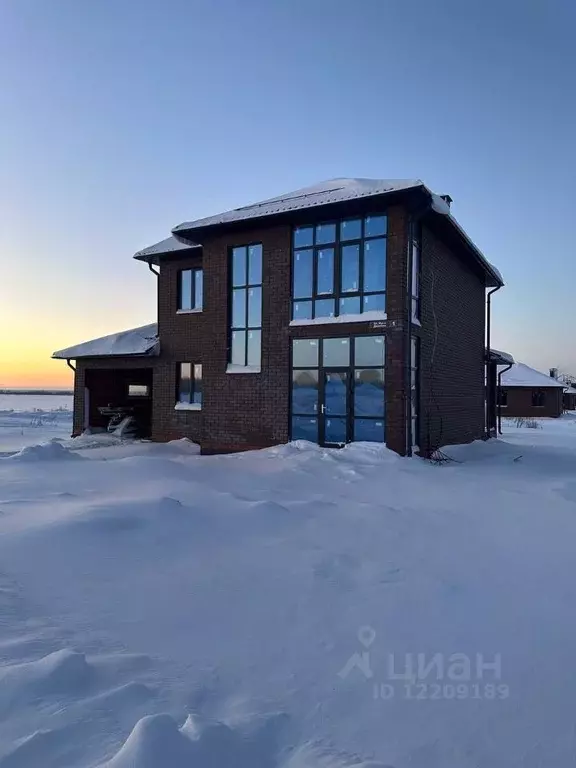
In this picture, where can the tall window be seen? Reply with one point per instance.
(502, 397)
(190, 288)
(538, 398)
(339, 268)
(189, 384)
(414, 389)
(246, 309)
(416, 280)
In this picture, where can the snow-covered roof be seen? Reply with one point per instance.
(136, 341)
(168, 245)
(497, 356)
(521, 375)
(570, 391)
(334, 191)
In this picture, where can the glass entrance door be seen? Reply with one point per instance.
(335, 407)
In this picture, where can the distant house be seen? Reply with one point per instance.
(569, 397)
(352, 310)
(524, 391)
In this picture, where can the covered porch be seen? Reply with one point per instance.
(113, 381)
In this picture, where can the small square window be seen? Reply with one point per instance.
(303, 237)
(351, 229)
(325, 233)
(138, 390)
(375, 226)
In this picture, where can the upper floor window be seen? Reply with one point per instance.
(538, 398)
(190, 289)
(416, 267)
(339, 268)
(246, 306)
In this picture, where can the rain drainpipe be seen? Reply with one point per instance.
(69, 364)
(499, 404)
(488, 332)
(151, 268)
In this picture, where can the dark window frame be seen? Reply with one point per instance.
(538, 394)
(502, 397)
(246, 287)
(140, 394)
(194, 276)
(196, 390)
(416, 280)
(337, 245)
(352, 367)
(415, 389)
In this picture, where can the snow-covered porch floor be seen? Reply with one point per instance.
(294, 607)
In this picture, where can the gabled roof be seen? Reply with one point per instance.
(167, 246)
(337, 191)
(135, 341)
(521, 375)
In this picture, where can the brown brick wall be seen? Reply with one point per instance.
(520, 402)
(452, 335)
(238, 410)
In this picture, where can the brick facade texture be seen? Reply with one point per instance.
(452, 333)
(252, 410)
(520, 402)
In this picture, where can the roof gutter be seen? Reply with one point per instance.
(498, 400)
(488, 338)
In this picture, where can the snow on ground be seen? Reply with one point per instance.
(159, 609)
(30, 419)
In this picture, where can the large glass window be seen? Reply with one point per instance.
(416, 266)
(189, 384)
(338, 390)
(246, 305)
(415, 389)
(339, 268)
(190, 289)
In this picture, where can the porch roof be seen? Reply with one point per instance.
(135, 341)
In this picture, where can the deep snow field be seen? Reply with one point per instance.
(295, 607)
(29, 419)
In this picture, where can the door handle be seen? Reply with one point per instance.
(322, 408)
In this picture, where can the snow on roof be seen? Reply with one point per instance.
(497, 353)
(334, 191)
(521, 375)
(168, 245)
(136, 341)
(570, 391)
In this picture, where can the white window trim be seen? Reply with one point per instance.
(363, 317)
(188, 407)
(232, 368)
(189, 311)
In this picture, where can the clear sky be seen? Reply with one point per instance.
(122, 118)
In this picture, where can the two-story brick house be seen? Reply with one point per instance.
(351, 310)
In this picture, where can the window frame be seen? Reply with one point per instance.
(246, 287)
(502, 397)
(415, 354)
(193, 279)
(139, 395)
(195, 389)
(540, 394)
(337, 245)
(351, 368)
(416, 280)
